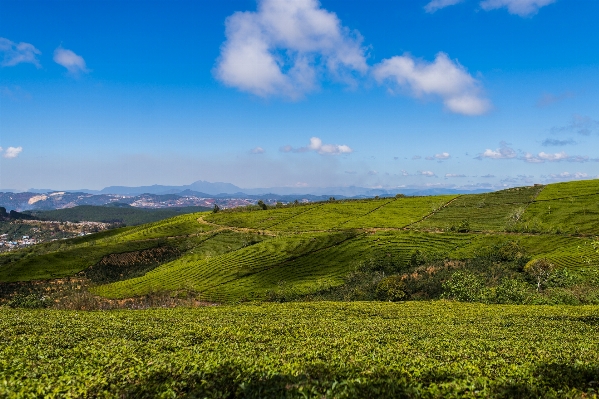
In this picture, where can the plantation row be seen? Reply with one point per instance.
(313, 261)
(307, 350)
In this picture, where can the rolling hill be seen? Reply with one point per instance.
(246, 254)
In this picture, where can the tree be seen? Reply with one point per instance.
(540, 270)
(262, 205)
(215, 209)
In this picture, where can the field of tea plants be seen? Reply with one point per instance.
(244, 254)
(303, 350)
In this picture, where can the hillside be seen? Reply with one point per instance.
(311, 249)
(123, 214)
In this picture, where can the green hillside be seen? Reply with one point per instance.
(126, 214)
(247, 254)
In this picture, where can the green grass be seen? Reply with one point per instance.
(303, 350)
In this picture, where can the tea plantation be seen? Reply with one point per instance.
(249, 253)
(303, 350)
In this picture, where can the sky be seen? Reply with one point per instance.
(270, 93)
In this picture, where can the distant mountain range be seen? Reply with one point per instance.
(200, 193)
(227, 189)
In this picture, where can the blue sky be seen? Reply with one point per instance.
(448, 93)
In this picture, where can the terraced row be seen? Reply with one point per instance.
(200, 273)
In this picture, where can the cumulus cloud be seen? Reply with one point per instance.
(17, 53)
(523, 8)
(74, 63)
(443, 78)
(435, 5)
(285, 46)
(426, 173)
(448, 175)
(488, 176)
(11, 152)
(317, 145)
(416, 157)
(581, 124)
(257, 150)
(503, 152)
(442, 156)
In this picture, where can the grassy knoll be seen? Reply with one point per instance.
(314, 350)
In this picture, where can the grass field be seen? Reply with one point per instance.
(303, 350)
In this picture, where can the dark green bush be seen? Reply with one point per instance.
(29, 301)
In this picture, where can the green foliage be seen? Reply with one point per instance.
(391, 289)
(464, 286)
(513, 291)
(28, 301)
(307, 350)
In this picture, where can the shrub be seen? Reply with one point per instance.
(391, 289)
(29, 301)
(512, 291)
(464, 286)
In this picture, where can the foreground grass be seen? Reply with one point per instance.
(413, 349)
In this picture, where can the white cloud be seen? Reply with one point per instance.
(373, 172)
(559, 156)
(435, 5)
(443, 155)
(316, 145)
(449, 80)
(545, 157)
(447, 175)
(426, 173)
(74, 63)
(522, 8)
(11, 152)
(257, 150)
(283, 48)
(17, 53)
(504, 152)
